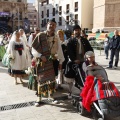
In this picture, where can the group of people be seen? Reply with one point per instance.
(49, 55)
(112, 45)
(50, 52)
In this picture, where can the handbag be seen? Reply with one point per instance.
(69, 72)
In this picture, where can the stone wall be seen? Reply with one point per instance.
(106, 15)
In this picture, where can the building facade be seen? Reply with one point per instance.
(66, 11)
(106, 15)
(32, 16)
(12, 14)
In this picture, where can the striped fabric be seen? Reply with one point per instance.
(94, 90)
(105, 90)
(46, 71)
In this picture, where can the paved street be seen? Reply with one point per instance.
(11, 94)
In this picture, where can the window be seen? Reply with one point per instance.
(76, 18)
(47, 1)
(47, 12)
(67, 19)
(76, 6)
(67, 8)
(42, 14)
(34, 23)
(60, 10)
(53, 18)
(42, 25)
(44, 22)
(53, 11)
(47, 20)
(35, 16)
(60, 21)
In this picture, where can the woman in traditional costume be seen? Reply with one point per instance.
(63, 42)
(24, 39)
(17, 55)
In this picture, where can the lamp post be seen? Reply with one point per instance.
(18, 19)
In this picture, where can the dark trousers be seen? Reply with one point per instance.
(78, 79)
(116, 54)
(55, 66)
(106, 49)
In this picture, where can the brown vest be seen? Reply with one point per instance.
(46, 72)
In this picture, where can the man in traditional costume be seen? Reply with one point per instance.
(47, 49)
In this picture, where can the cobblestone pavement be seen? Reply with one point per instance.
(11, 94)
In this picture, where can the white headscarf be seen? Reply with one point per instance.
(23, 37)
(13, 38)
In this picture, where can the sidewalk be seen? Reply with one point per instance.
(19, 95)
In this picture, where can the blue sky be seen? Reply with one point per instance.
(30, 1)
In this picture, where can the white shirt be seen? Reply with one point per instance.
(30, 40)
(79, 41)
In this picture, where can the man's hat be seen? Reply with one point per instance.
(52, 20)
(76, 27)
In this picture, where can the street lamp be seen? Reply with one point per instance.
(18, 18)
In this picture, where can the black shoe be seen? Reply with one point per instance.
(115, 67)
(106, 58)
(60, 88)
(108, 67)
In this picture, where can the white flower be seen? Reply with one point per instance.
(29, 71)
(5, 41)
(11, 56)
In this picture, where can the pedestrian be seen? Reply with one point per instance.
(47, 49)
(32, 36)
(24, 39)
(114, 49)
(63, 42)
(77, 47)
(106, 45)
(83, 34)
(17, 55)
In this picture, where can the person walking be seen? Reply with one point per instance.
(77, 47)
(114, 50)
(106, 45)
(24, 39)
(63, 42)
(17, 54)
(32, 36)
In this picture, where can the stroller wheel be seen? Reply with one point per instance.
(74, 102)
(81, 109)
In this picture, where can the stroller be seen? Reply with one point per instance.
(101, 109)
